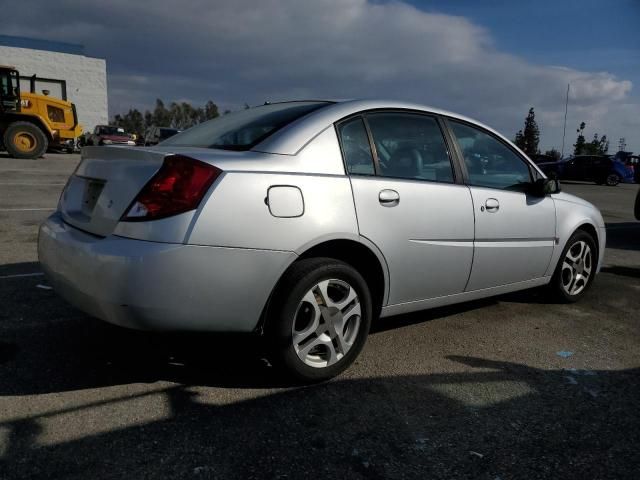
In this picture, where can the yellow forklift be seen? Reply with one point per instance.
(30, 122)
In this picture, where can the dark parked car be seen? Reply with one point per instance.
(595, 168)
(636, 210)
(155, 135)
(109, 135)
(548, 164)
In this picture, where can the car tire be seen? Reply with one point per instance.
(25, 140)
(579, 256)
(613, 179)
(319, 319)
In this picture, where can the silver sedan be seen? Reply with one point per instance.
(305, 221)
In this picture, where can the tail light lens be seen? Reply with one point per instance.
(177, 187)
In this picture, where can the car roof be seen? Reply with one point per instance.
(292, 138)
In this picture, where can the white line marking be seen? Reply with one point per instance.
(26, 209)
(44, 287)
(15, 184)
(20, 275)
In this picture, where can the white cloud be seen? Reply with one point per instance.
(238, 51)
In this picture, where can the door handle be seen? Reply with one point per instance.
(389, 198)
(492, 205)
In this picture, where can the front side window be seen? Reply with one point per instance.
(243, 129)
(55, 114)
(410, 146)
(490, 163)
(355, 147)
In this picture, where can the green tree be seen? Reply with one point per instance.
(579, 146)
(597, 146)
(553, 153)
(529, 138)
(132, 121)
(211, 110)
(519, 140)
(181, 115)
(161, 116)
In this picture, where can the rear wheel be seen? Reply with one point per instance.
(576, 268)
(613, 179)
(25, 140)
(319, 319)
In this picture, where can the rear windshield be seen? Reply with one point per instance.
(111, 131)
(243, 129)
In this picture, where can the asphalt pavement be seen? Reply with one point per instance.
(513, 387)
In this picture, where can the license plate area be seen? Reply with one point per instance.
(92, 190)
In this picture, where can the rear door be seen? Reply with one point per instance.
(514, 231)
(408, 202)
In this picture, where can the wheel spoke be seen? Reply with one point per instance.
(333, 355)
(302, 335)
(349, 298)
(310, 345)
(574, 284)
(575, 258)
(322, 288)
(338, 335)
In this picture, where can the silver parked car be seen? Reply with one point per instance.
(304, 221)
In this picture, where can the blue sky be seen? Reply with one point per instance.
(584, 34)
(487, 59)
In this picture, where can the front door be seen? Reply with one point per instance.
(515, 231)
(408, 203)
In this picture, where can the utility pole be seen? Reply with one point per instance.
(622, 144)
(564, 132)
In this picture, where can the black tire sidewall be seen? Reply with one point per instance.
(301, 277)
(617, 179)
(32, 129)
(556, 280)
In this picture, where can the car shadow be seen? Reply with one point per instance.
(24, 268)
(623, 236)
(633, 272)
(494, 419)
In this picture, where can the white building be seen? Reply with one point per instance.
(64, 70)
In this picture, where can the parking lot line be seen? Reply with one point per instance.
(26, 209)
(32, 184)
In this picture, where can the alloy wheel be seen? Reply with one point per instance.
(326, 323)
(577, 267)
(613, 179)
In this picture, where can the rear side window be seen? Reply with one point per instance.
(410, 146)
(355, 147)
(489, 162)
(243, 129)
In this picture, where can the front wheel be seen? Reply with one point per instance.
(319, 319)
(613, 179)
(25, 140)
(576, 268)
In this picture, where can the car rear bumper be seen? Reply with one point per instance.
(159, 286)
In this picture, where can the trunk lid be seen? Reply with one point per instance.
(104, 185)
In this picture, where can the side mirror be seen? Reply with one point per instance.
(545, 186)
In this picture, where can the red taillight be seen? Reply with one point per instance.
(177, 187)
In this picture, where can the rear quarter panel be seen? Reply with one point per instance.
(236, 214)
